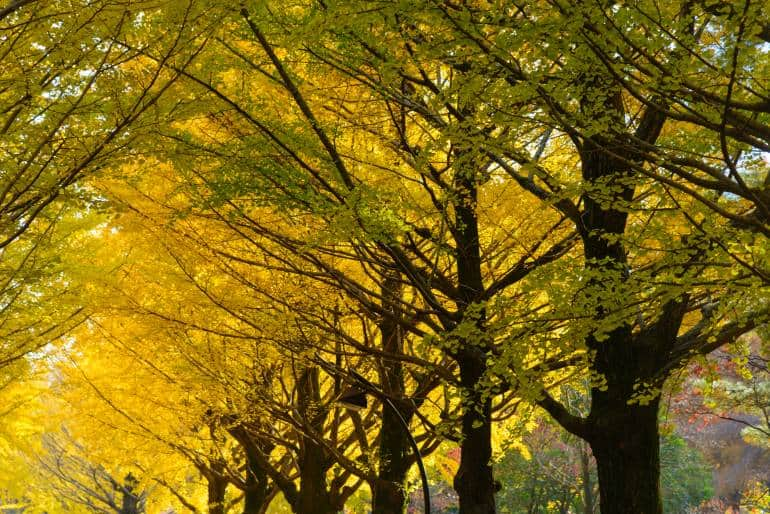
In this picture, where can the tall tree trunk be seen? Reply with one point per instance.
(622, 428)
(256, 494)
(217, 489)
(627, 453)
(132, 500)
(313, 496)
(388, 491)
(474, 481)
(255, 499)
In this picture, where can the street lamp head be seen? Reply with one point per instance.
(352, 398)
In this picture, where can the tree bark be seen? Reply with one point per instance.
(628, 460)
(622, 427)
(622, 432)
(217, 488)
(388, 492)
(132, 500)
(313, 463)
(474, 481)
(313, 495)
(256, 494)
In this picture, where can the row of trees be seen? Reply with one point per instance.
(469, 203)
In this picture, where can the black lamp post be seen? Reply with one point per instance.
(355, 398)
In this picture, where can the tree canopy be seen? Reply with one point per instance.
(216, 219)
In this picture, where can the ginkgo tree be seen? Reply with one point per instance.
(416, 220)
(421, 109)
(260, 338)
(509, 196)
(71, 101)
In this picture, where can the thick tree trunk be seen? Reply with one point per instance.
(388, 496)
(257, 489)
(388, 492)
(217, 488)
(132, 499)
(622, 427)
(622, 432)
(254, 501)
(313, 496)
(627, 455)
(474, 482)
(256, 495)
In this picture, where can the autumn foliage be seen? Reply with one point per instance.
(522, 230)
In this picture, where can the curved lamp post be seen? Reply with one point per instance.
(355, 398)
